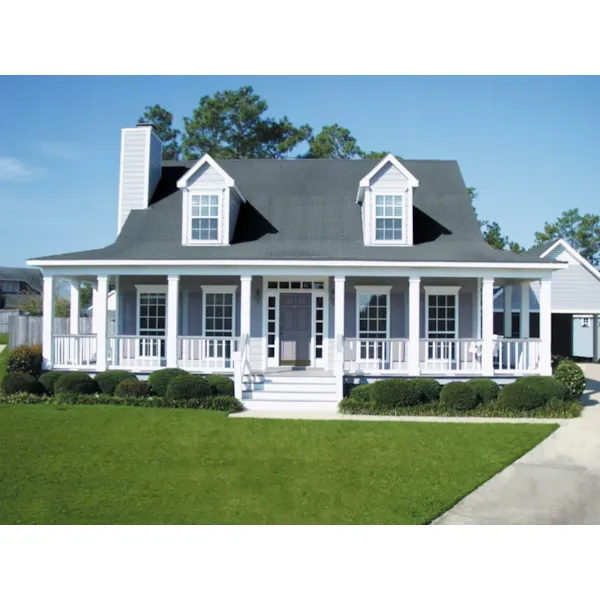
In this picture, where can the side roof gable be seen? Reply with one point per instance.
(573, 253)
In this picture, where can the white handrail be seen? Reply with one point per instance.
(74, 350)
(375, 355)
(207, 354)
(241, 365)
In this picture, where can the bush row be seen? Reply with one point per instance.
(221, 403)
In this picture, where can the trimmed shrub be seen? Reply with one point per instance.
(75, 383)
(228, 404)
(48, 381)
(220, 385)
(486, 389)
(132, 388)
(458, 395)
(185, 388)
(430, 389)
(16, 383)
(389, 393)
(572, 377)
(25, 359)
(518, 396)
(159, 380)
(362, 392)
(109, 380)
(547, 386)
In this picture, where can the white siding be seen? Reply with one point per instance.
(389, 177)
(206, 178)
(134, 163)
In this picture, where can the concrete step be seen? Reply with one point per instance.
(283, 379)
(279, 405)
(276, 386)
(294, 396)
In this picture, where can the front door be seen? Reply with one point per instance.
(294, 329)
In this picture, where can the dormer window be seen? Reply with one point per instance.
(389, 218)
(204, 226)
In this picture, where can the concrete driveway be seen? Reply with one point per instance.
(557, 483)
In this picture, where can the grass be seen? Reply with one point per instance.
(121, 465)
(3, 355)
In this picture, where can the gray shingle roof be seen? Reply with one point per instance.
(537, 251)
(306, 209)
(31, 276)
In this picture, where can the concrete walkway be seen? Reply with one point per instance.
(2, 346)
(557, 483)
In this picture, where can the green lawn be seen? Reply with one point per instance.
(110, 464)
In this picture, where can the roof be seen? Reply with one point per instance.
(31, 276)
(306, 210)
(537, 251)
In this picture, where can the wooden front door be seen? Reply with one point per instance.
(294, 329)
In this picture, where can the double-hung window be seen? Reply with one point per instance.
(152, 321)
(389, 218)
(204, 220)
(442, 321)
(373, 321)
(219, 320)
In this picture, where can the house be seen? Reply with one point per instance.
(17, 284)
(575, 302)
(297, 276)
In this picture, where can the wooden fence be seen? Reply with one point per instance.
(28, 330)
(5, 315)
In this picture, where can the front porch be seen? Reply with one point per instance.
(341, 327)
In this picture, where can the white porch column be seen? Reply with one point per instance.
(95, 313)
(74, 314)
(414, 325)
(507, 311)
(487, 326)
(245, 304)
(524, 318)
(595, 338)
(47, 322)
(172, 319)
(100, 306)
(339, 326)
(546, 327)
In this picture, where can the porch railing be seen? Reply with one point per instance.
(137, 352)
(450, 355)
(517, 355)
(74, 350)
(206, 353)
(371, 355)
(241, 364)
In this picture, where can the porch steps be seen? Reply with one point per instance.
(269, 390)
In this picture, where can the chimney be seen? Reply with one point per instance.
(141, 165)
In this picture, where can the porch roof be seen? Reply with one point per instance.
(306, 209)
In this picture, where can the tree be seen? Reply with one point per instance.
(85, 295)
(581, 231)
(333, 141)
(231, 124)
(162, 120)
(375, 154)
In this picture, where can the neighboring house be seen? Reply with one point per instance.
(575, 302)
(296, 276)
(17, 284)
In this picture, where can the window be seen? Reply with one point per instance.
(389, 218)
(441, 321)
(204, 225)
(585, 321)
(219, 321)
(10, 287)
(372, 307)
(152, 323)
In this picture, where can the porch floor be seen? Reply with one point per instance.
(290, 371)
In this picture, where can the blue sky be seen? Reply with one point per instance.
(530, 145)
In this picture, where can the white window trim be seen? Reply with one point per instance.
(404, 194)
(187, 216)
(150, 289)
(377, 290)
(219, 289)
(441, 290)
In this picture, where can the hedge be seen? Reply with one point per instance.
(572, 377)
(159, 380)
(76, 383)
(187, 387)
(220, 385)
(48, 380)
(430, 389)
(487, 390)
(132, 388)
(25, 359)
(15, 383)
(532, 392)
(390, 393)
(459, 395)
(109, 380)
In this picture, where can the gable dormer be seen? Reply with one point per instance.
(211, 203)
(386, 197)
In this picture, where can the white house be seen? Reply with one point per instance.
(295, 276)
(575, 302)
